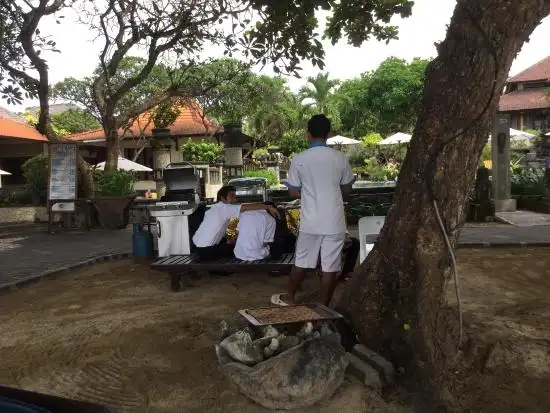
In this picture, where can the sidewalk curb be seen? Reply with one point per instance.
(61, 270)
(503, 244)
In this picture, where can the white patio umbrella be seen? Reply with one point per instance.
(126, 165)
(3, 173)
(342, 140)
(520, 135)
(396, 139)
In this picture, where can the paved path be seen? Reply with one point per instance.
(26, 252)
(497, 234)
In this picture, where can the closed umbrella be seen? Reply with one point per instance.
(126, 165)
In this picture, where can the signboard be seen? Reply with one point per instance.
(62, 183)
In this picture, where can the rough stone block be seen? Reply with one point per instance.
(364, 372)
(376, 361)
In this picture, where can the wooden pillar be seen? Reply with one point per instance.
(521, 121)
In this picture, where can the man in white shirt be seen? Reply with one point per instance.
(209, 239)
(321, 177)
(256, 232)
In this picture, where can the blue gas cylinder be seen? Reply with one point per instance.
(142, 242)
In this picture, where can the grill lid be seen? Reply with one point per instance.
(181, 177)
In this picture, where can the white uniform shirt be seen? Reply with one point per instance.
(215, 223)
(318, 174)
(256, 229)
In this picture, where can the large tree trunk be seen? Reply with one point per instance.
(112, 143)
(397, 301)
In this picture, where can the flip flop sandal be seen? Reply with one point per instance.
(277, 300)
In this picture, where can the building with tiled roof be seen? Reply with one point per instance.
(18, 143)
(135, 142)
(191, 122)
(526, 97)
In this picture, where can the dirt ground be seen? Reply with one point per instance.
(114, 334)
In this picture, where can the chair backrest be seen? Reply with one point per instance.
(368, 226)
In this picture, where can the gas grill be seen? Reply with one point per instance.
(180, 211)
(250, 189)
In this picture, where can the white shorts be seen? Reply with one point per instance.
(329, 247)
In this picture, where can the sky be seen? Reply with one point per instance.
(417, 35)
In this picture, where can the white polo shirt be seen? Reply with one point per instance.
(214, 225)
(256, 229)
(318, 174)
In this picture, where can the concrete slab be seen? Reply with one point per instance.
(524, 218)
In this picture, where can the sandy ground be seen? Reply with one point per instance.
(114, 334)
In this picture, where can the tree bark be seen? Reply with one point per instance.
(397, 301)
(112, 143)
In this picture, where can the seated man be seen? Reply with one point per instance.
(256, 232)
(209, 240)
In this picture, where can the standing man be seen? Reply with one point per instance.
(321, 177)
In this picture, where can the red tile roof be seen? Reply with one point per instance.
(17, 130)
(190, 122)
(539, 71)
(524, 100)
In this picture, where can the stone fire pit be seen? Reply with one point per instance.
(281, 370)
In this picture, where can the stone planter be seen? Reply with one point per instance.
(112, 211)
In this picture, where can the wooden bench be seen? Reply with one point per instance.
(178, 265)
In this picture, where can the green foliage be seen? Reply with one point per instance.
(75, 121)
(32, 120)
(165, 114)
(203, 151)
(293, 142)
(319, 93)
(386, 100)
(114, 183)
(371, 140)
(486, 155)
(372, 170)
(528, 182)
(275, 111)
(260, 152)
(80, 90)
(35, 172)
(271, 176)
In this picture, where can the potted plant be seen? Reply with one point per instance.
(114, 192)
(35, 172)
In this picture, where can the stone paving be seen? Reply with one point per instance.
(28, 251)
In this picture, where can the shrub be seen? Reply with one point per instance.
(293, 142)
(35, 172)
(271, 176)
(203, 151)
(114, 183)
(528, 182)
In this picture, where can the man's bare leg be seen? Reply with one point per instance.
(329, 280)
(296, 278)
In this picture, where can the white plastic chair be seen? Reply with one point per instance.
(368, 226)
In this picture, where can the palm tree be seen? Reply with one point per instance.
(319, 91)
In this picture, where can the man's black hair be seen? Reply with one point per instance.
(319, 126)
(224, 191)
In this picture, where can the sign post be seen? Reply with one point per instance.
(63, 178)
